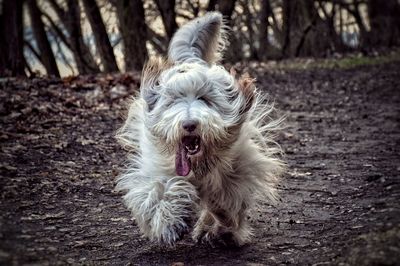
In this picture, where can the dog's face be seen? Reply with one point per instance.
(195, 109)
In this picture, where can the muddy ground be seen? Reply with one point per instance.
(340, 195)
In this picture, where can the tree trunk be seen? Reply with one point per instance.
(168, 15)
(265, 48)
(384, 17)
(100, 34)
(71, 18)
(133, 30)
(211, 5)
(46, 53)
(12, 61)
(84, 59)
(226, 7)
(306, 34)
(353, 9)
(329, 25)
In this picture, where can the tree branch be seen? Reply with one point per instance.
(36, 53)
(57, 30)
(158, 41)
(62, 54)
(60, 12)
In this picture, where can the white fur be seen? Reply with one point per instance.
(202, 38)
(237, 163)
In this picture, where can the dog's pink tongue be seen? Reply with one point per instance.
(182, 162)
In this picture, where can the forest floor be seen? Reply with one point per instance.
(340, 196)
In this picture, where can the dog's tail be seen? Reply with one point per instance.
(201, 39)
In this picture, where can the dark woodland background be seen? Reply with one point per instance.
(71, 37)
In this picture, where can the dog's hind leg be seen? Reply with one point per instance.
(163, 207)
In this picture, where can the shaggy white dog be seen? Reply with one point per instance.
(199, 141)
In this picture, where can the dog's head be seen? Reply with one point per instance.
(195, 108)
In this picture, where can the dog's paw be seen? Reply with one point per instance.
(171, 233)
(214, 239)
(172, 215)
(227, 239)
(204, 237)
(169, 229)
(205, 234)
(219, 236)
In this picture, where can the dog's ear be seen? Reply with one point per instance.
(149, 81)
(203, 39)
(248, 90)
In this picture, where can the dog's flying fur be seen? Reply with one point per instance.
(200, 142)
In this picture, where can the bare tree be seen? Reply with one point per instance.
(384, 19)
(134, 32)
(12, 61)
(306, 33)
(265, 50)
(71, 20)
(46, 54)
(168, 15)
(328, 24)
(297, 27)
(211, 5)
(101, 37)
(226, 7)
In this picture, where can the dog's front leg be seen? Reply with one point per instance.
(162, 207)
(220, 226)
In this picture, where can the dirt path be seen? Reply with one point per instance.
(340, 197)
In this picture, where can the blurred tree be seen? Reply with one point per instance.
(12, 61)
(353, 7)
(306, 33)
(260, 30)
(101, 37)
(133, 29)
(265, 50)
(71, 20)
(226, 7)
(46, 55)
(384, 19)
(211, 5)
(168, 15)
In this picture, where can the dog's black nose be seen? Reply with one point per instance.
(189, 125)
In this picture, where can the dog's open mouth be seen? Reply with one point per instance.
(190, 145)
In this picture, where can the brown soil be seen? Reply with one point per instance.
(340, 196)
